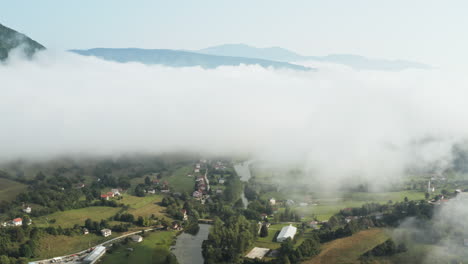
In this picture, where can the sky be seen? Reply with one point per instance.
(427, 31)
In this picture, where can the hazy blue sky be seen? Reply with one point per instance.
(429, 31)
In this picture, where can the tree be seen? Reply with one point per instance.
(40, 176)
(426, 195)
(89, 223)
(147, 181)
(170, 259)
(239, 204)
(264, 231)
(4, 259)
(26, 251)
(140, 221)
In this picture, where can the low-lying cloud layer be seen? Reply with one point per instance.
(338, 121)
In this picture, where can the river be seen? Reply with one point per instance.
(188, 248)
(243, 170)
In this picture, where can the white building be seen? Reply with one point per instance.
(272, 201)
(137, 238)
(27, 210)
(17, 222)
(95, 255)
(116, 192)
(106, 232)
(287, 231)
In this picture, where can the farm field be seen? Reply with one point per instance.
(53, 246)
(153, 249)
(323, 205)
(9, 189)
(144, 206)
(138, 206)
(179, 181)
(349, 249)
(76, 216)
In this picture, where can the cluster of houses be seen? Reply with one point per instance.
(163, 187)
(202, 185)
(219, 166)
(197, 168)
(111, 194)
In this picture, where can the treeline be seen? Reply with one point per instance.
(372, 215)
(387, 248)
(18, 244)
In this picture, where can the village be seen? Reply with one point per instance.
(206, 182)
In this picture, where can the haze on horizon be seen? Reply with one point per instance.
(429, 32)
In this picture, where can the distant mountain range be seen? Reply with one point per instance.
(177, 58)
(11, 39)
(223, 55)
(280, 54)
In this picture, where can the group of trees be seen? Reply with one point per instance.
(229, 239)
(18, 244)
(387, 248)
(289, 255)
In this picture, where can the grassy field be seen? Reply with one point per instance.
(9, 189)
(144, 206)
(76, 216)
(267, 242)
(153, 249)
(328, 204)
(179, 181)
(349, 249)
(139, 206)
(52, 246)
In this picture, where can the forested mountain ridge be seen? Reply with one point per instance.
(178, 58)
(11, 39)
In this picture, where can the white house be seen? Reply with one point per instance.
(221, 181)
(152, 191)
(272, 201)
(287, 231)
(27, 210)
(184, 214)
(197, 194)
(137, 238)
(116, 192)
(106, 232)
(17, 222)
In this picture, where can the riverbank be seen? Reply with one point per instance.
(188, 248)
